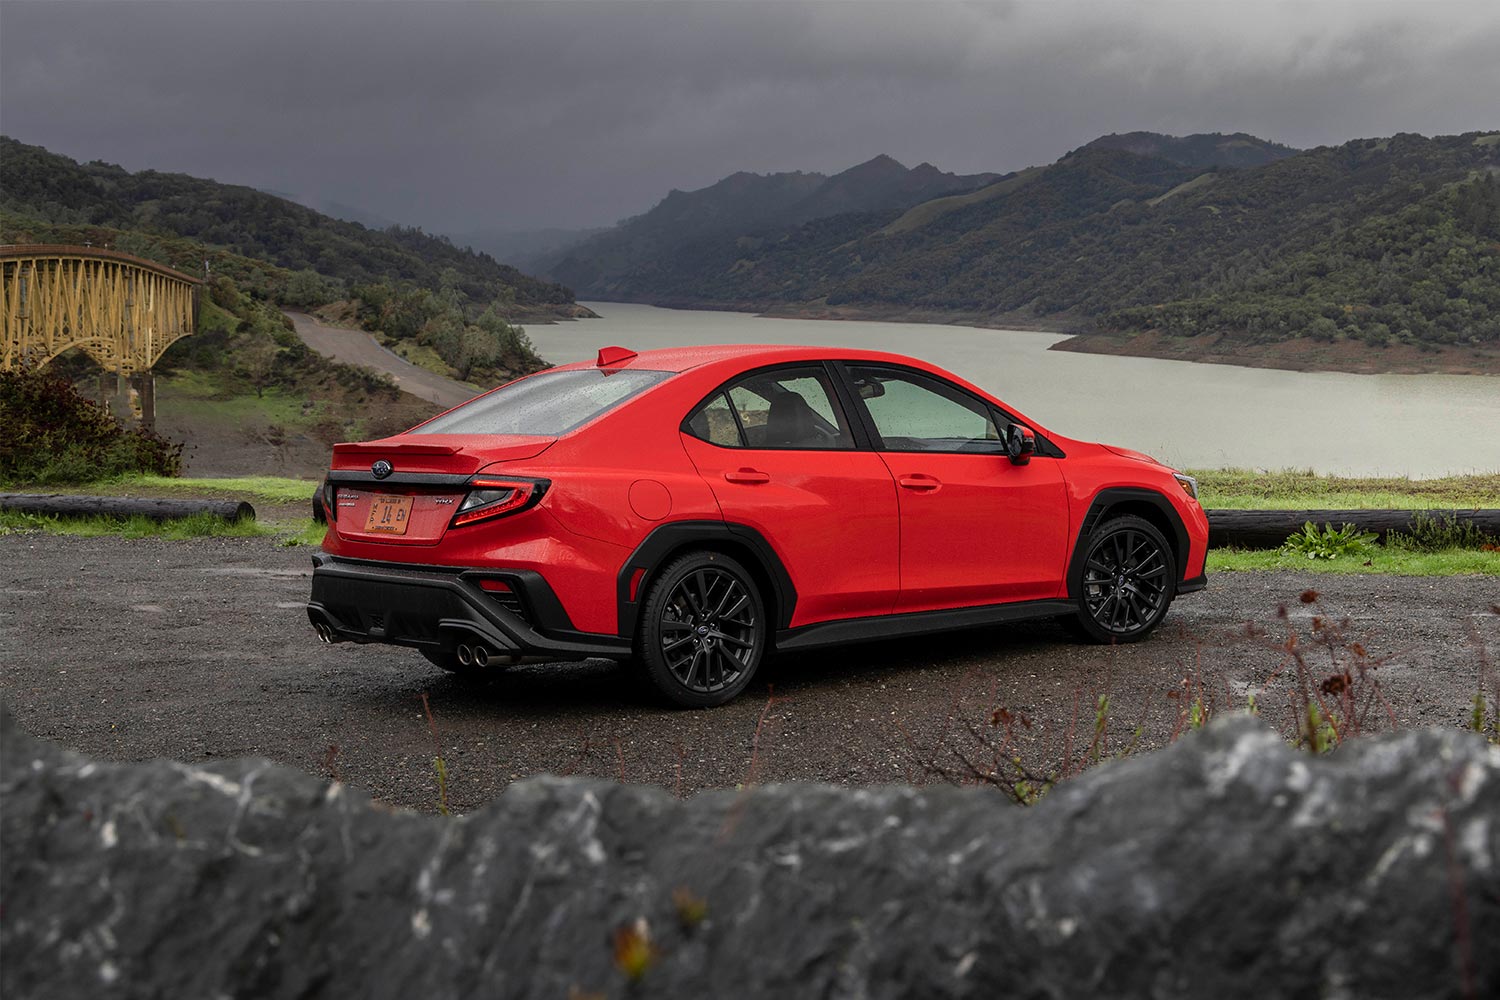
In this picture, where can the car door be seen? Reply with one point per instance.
(780, 454)
(975, 529)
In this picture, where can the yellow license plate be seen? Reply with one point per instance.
(389, 514)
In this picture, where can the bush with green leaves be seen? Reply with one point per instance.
(1328, 542)
(476, 344)
(1436, 531)
(53, 434)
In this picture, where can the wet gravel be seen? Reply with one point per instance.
(133, 649)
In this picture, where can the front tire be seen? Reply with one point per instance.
(703, 630)
(1128, 580)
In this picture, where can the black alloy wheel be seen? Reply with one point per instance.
(703, 630)
(1128, 581)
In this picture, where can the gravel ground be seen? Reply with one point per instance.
(200, 649)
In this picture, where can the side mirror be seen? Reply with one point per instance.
(1020, 444)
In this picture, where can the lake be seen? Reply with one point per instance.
(1189, 415)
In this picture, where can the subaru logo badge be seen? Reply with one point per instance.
(381, 469)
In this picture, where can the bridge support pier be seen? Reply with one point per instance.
(114, 395)
(145, 389)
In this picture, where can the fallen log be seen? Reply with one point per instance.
(157, 509)
(1268, 529)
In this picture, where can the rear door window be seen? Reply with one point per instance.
(780, 408)
(547, 404)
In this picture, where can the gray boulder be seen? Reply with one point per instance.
(1225, 865)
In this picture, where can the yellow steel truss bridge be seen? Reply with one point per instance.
(123, 311)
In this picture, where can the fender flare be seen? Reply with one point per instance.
(1107, 499)
(655, 548)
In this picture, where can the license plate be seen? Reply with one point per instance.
(389, 515)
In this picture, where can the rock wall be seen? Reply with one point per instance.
(1226, 865)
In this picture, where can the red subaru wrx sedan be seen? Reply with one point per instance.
(696, 509)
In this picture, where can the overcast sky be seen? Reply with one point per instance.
(466, 116)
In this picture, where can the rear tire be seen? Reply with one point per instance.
(1126, 583)
(703, 630)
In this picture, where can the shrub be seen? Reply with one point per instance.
(1328, 543)
(1438, 532)
(53, 434)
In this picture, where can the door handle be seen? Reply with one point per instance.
(921, 483)
(747, 476)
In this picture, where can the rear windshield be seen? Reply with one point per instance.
(546, 404)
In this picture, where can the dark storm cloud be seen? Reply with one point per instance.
(496, 115)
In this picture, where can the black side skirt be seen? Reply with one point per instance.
(916, 623)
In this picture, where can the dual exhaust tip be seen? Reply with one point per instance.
(469, 654)
(477, 655)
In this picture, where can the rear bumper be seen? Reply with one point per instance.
(435, 608)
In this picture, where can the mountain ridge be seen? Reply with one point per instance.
(1382, 241)
(40, 187)
(745, 203)
(1201, 149)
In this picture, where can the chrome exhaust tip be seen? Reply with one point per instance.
(466, 654)
(325, 634)
(481, 656)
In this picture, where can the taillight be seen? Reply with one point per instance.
(330, 501)
(489, 497)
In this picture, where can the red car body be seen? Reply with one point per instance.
(857, 535)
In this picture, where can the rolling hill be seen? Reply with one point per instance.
(39, 188)
(607, 265)
(1379, 241)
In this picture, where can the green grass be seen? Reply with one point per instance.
(1450, 562)
(1197, 182)
(927, 211)
(196, 397)
(1243, 489)
(196, 526)
(211, 317)
(265, 489)
(303, 531)
(423, 357)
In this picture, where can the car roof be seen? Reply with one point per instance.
(680, 359)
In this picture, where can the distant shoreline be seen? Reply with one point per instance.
(1299, 355)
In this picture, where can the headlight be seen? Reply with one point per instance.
(1188, 483)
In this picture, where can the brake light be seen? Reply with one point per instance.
(330, 501)
(489, 498)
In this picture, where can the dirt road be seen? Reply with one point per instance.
(201, 649)
(356, 347)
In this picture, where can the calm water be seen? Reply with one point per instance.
(1190, 415)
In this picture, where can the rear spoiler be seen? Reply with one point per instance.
(377, 449)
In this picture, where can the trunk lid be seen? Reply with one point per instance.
(399, 511)
(451, 454)
(396, 514)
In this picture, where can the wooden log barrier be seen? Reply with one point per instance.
(1268, 529)
(60, 505)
